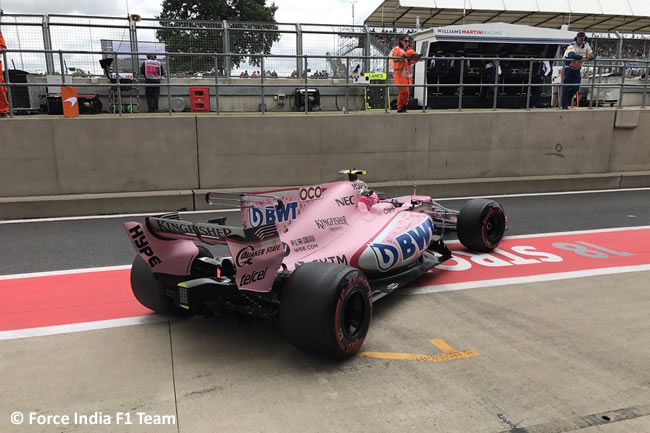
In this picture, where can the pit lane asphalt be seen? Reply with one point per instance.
(555, 356)
(61, 245)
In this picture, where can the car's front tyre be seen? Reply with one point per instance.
(481, 225)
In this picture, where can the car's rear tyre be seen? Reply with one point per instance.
(325, 309)
(150, 289)
(481, 225)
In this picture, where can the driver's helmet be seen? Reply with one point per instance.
(368, 197)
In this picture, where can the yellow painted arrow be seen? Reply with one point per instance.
(449, 353)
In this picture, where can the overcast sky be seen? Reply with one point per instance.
(289, 11)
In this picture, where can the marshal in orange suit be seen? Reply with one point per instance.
(4, 104)
(402, 69)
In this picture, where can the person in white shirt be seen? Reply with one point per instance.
(574, 56)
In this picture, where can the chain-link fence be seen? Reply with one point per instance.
(517, 85)
(25, 32)
(239, 39)
(192, 51)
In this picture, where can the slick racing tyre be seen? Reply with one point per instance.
(150, 289)
(325, 309)
(481, 225)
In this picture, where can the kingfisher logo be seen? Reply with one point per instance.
(409, 243)
(271, 215)
(331, 222)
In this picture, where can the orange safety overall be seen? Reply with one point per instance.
(4, 104)
(402, 73)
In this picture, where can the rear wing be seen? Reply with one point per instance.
(166, 243)
(258, 209)
(170, 226)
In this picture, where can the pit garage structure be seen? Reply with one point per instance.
(514, 45)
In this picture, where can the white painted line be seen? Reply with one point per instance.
(89, 217)
(536, 194)
(64, 272)
(98, 217)
(578, 232)
(521, 280)
(575, 232)
(81, 327)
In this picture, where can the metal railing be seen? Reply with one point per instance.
(237, 40)
(593, 84)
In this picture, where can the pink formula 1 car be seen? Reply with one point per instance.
(316, 257)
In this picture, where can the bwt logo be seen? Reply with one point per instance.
(410, 243)
(386, 255)
(271, 215)
(311, 193)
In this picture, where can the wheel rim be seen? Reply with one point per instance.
(493, 226)
(354, 315)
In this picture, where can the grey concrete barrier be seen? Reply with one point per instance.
(520, 143)
(277, 150)
(631, 141)
(97, 155)
(448, 153)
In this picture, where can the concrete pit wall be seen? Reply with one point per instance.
(125, 160)
(97, 155)
(242, 152)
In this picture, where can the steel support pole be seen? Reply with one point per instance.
(346, 109)
(496, 85)
(216, 83)
(226, 49)
(561, 92)
(530, 82)
(386, 101)
(620, 96)
(47, 45)
(169, 89)
(305, 99)
(461, 86)
(299, 50)
(619, 49)
(645, 84)
(593, 83)
(366, 50)
(62, 65)
(262, 107)
(117, 82)
(133, 39)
